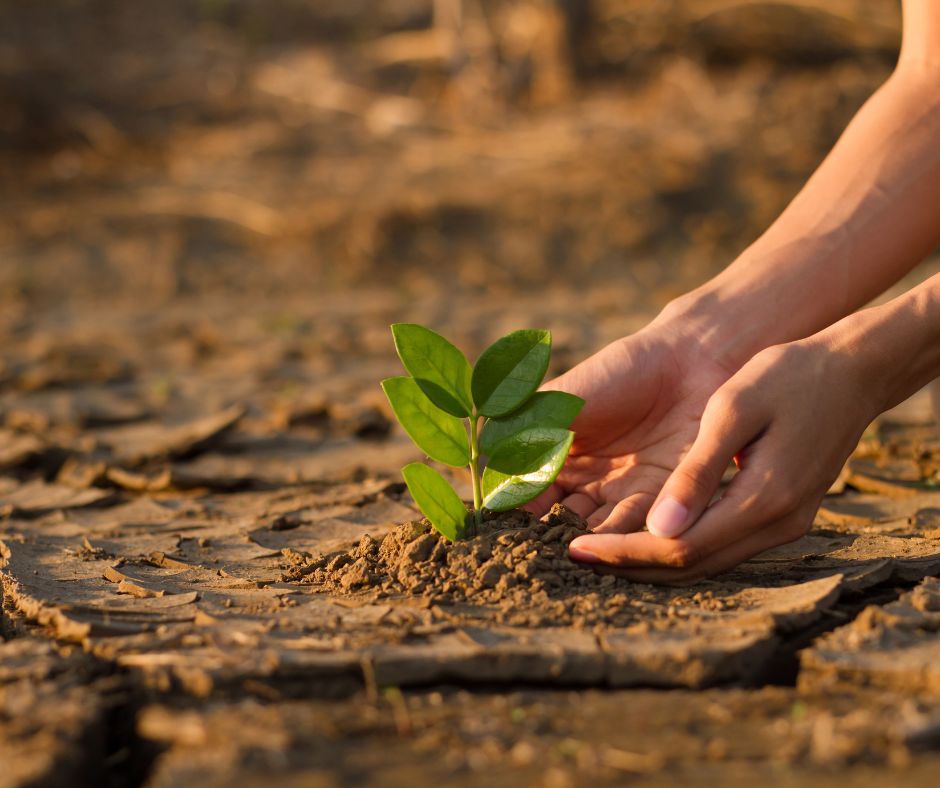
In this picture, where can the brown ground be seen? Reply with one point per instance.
(208, 222)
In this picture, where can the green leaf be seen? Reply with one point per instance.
(524, 465)
(544, 409)
(510, 370)
(436, 499)
(438, 434)
(440, 369)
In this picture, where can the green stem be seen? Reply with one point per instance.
(475, 473)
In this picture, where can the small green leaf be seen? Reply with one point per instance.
(440, 369)
(524, 465)
(438, 434)
(437, 499)
(544, 409)
(509, 371)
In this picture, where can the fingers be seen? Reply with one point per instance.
(581, 504)
(540, 505)
(600, 515)
(637, 550)
(622, 517)
(645, 558)
(735, 517)
(721, 561)
(727, 427)
(760, 510)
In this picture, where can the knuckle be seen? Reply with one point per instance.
(776, 502)
(778, 358)
(776, 353)
(724, 401)
(699, 476)
(728, 404)
(770, 355)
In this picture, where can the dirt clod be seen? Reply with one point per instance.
(420, 549)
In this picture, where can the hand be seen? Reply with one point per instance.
(789, 418)
(644, 397)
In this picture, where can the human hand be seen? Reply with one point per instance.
(644, 397)
(789, 418)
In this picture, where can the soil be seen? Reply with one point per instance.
(516, 565)
(211, 571)
(514, 571)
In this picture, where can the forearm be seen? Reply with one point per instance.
(865, 218)
(894, 348)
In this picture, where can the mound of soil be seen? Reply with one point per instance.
(517, 566)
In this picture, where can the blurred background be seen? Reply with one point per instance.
(159, 150)
(208, 201)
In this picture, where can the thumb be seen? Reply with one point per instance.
(725, 430)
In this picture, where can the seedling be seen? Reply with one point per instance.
(460, 416)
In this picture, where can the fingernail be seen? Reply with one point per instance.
(576, 553)
(667, 518)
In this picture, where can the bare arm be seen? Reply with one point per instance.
(769, 352)
(770, 363)
(790, 416)
(809, 371)
(866, 217)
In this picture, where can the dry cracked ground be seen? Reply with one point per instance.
(182, 603)
(208, 222)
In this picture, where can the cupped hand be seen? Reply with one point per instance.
(644, 395)
(789, 418)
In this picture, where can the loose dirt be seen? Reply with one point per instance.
(516, 563)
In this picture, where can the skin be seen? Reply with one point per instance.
(768, 353)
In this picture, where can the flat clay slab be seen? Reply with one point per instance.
(894, 646)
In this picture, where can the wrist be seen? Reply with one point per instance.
(775, 292)
(892, 350)
(718, 320)
(851, 362)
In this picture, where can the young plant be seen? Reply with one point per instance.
(458, 415)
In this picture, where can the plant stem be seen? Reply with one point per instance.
(475, 473)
